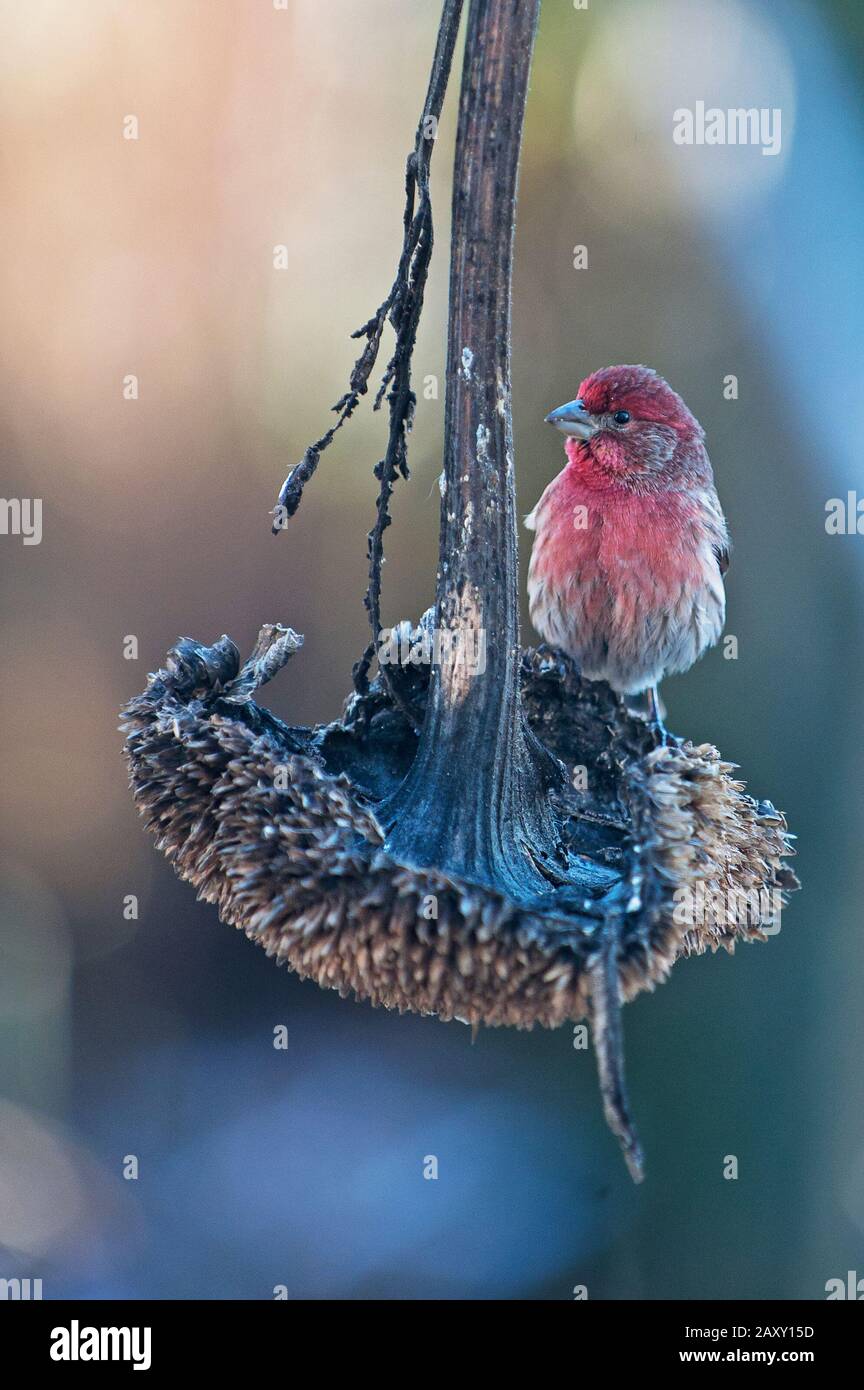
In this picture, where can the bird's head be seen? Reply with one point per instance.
(627, 425)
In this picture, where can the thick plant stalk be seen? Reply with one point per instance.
(476, 800)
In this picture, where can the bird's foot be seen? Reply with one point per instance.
(662, 736)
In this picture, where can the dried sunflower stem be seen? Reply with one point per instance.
(477, 799)
(609, 1048)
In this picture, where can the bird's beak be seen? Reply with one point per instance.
(573, 419)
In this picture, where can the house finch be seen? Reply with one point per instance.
(631, 544)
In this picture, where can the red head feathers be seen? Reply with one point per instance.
(640, 391)
(627, 426)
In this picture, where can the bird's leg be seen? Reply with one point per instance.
(664, 738)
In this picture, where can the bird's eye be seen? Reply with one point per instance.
(621, 417)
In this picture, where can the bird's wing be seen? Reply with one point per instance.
(716, 528)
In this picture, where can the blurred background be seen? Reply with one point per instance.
(153, 257)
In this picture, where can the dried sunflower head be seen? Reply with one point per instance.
(277, 826)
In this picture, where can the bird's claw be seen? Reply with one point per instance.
(662, 736)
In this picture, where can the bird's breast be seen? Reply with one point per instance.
(611, 569)
(616, 536)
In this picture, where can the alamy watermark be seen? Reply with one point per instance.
(728, 907)
(77, 1343)
(401, 646)
(22, 516)
(739, 125)
(20, 1289)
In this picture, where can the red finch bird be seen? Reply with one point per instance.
(631, 544)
